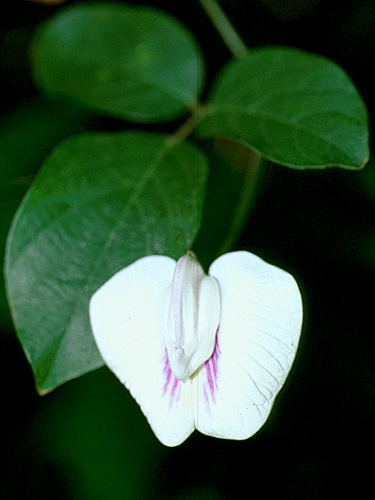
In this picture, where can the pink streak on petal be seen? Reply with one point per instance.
(167, 372)
(205, 395)
(173, 388)
(211, 366)
(210, 380)
(215, 359)
(175, 393)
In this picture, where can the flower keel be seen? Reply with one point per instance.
(193, 317)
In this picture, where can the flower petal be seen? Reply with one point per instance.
(128, 316)
(256, 343)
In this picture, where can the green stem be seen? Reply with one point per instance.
(188, 126)
(252, 169)
(224, 27)
(243, 163)
(232, 189)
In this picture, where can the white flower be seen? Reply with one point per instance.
(206, 352)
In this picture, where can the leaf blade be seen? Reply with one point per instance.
(77, 227)
(130, 62)
(294, 108)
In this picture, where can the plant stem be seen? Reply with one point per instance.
(252, 167)
(232, 189)
(224, 27)
(188, 126)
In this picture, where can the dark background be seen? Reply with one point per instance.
(88, 439)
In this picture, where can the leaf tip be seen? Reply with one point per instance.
(43, 392)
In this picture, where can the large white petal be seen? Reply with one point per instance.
(256, 344)
(128, 315)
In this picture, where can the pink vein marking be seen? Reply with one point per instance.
(174, 389)
(211, 374)
(167, 372)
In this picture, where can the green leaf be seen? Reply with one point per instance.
(26, 135)
(130, 62)
(294, 108)
(100, 202)
(31, 131)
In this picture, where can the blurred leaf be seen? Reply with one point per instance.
(96, 435)
(100, 202)
(294, 108)
(131, 62)
(29, 133)
(26, 136)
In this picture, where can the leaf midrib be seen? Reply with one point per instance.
(134, 73)
(80, 294)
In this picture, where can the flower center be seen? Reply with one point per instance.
(193, 317)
